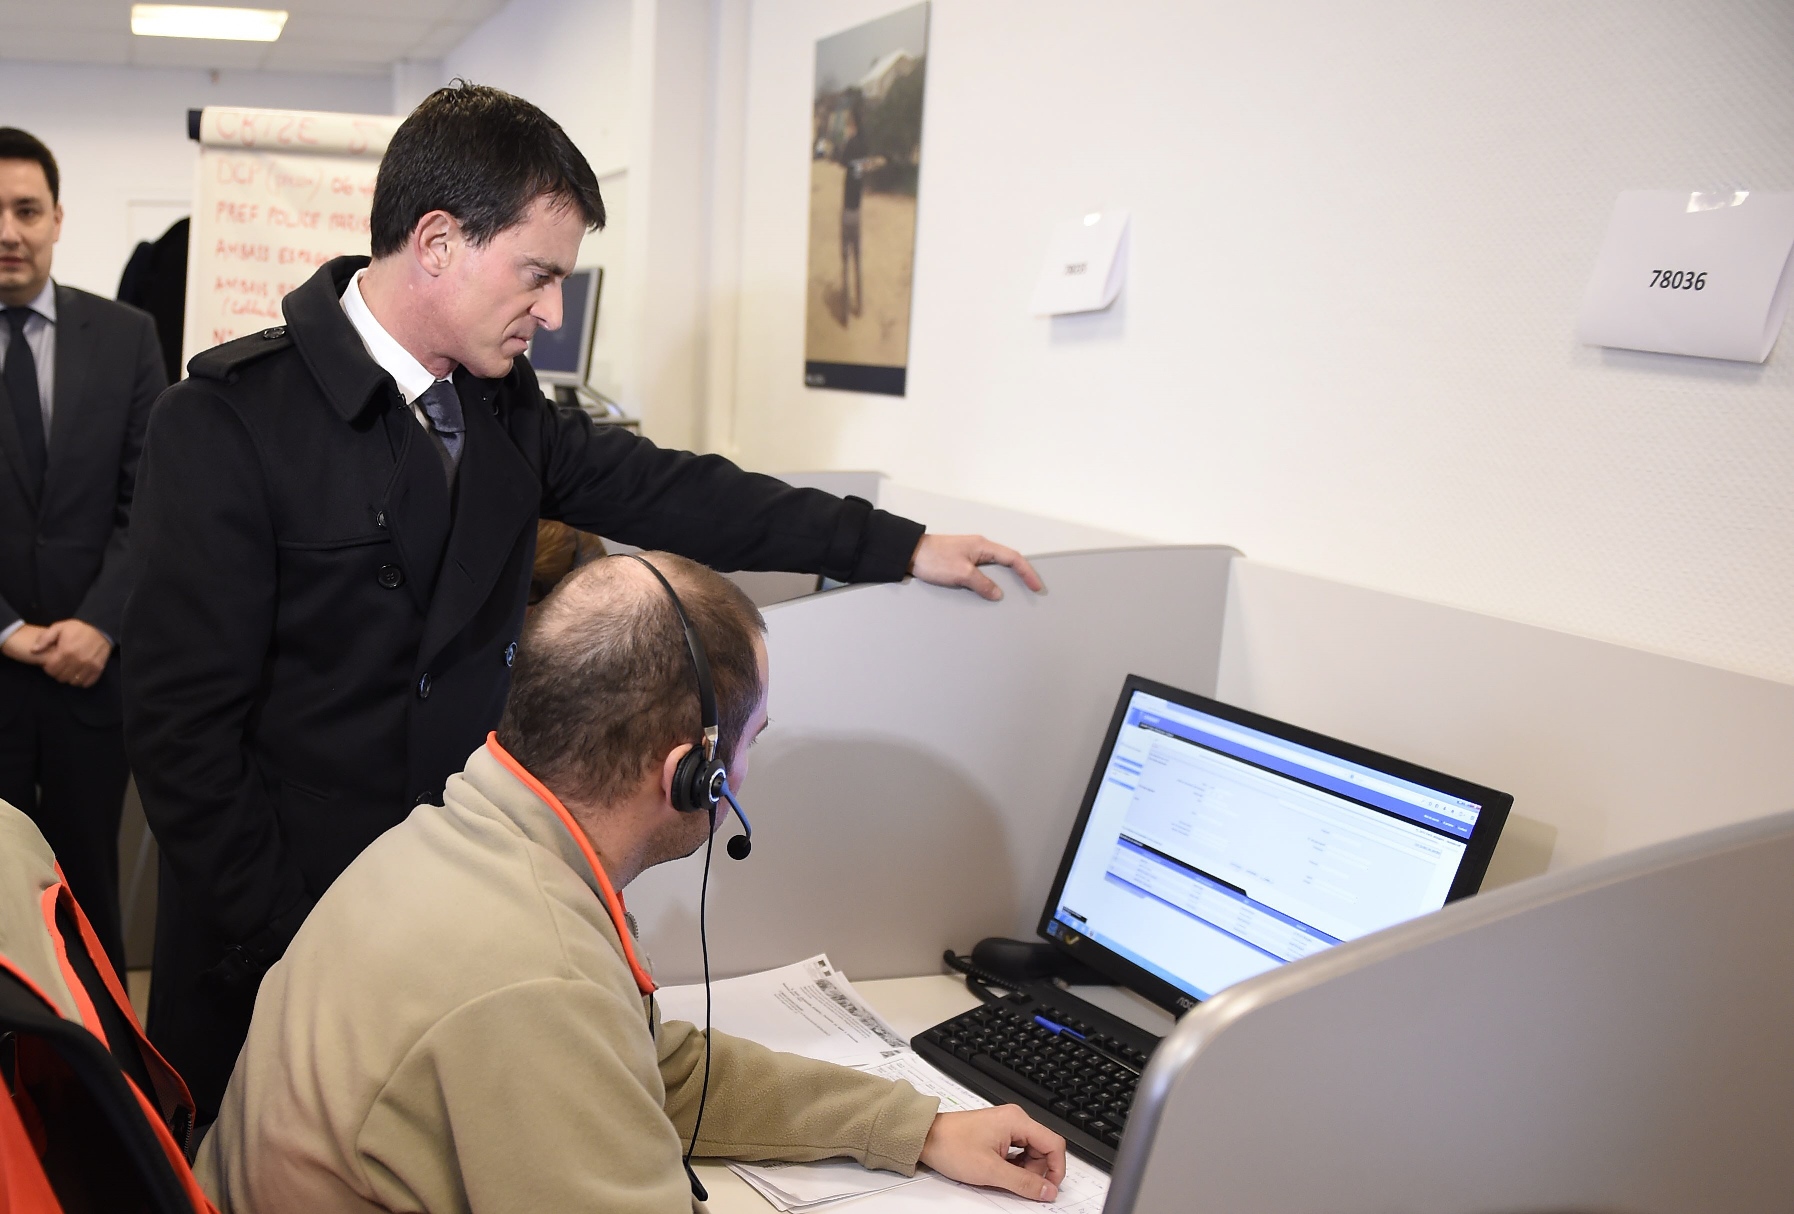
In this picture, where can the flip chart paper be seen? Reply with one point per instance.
(277, 193)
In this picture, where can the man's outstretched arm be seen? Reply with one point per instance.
(605, 480)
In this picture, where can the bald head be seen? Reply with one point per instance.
(603, 685)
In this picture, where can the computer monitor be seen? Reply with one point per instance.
(563, 356)
(1214, 844)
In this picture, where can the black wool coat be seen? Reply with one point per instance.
(318, 637)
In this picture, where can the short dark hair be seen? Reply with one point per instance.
(22, 145)
(483, 156)
(603, 685)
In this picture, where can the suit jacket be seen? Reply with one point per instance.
(317, 641)
(62, 553)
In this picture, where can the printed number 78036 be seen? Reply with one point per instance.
(1679, 280)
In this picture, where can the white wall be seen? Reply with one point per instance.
(119, 135)
(572, 58)
(1361, 232)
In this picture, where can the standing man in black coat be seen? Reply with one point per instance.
(336, 527)
(80, 375)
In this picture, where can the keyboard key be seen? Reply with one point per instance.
(1023, 1086)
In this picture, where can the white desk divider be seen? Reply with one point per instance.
(927, 754)
(1618, 1037)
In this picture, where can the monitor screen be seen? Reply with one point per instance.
(560, 356)
(1214, 844)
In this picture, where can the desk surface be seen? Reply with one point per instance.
(910, 1005)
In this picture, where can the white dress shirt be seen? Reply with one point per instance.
(411, 376)
(40, 335)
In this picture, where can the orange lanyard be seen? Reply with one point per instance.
(612, 901)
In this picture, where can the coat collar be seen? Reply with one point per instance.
(509, 788)
(350, 378)
(328, 343)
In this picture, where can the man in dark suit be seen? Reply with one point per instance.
(335, 532)
(80, 375)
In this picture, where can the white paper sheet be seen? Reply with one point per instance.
(1081, 1192)
(808, 1008)
(808, 1186)
(1702, 274)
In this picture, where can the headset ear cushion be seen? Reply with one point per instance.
(683, 781)
(691, 782)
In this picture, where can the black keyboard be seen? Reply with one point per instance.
(1072, 1066)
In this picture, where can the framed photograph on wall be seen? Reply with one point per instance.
(865, 160)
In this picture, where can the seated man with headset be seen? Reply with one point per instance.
(466, 1020)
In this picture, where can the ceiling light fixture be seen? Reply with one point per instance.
(198, 21)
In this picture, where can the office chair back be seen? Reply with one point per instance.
(91, 1117)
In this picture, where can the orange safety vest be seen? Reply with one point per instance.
(93, 1118)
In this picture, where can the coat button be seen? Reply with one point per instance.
(274, 334)
(511, 653)
(423, 688)
(380, 519)
(392, 577)
(422, 798)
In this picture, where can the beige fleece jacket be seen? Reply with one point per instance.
(27, 869)
(455, 1028)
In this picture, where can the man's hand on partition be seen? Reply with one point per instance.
(953, 560)
(974, 1148)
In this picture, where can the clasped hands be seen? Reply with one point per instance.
(70, 651)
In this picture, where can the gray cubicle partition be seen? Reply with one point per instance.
(926, 757)
(1605, 748)
(1617, 1037)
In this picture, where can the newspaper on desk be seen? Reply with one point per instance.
(810, 1008)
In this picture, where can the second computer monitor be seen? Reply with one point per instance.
(563, 356)
(1214, 844)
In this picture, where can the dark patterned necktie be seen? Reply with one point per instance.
(442, 406)
(20, 377)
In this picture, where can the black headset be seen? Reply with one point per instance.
(701, 781)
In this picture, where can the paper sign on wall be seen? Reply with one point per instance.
(1701, 274)
(1085, 265)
